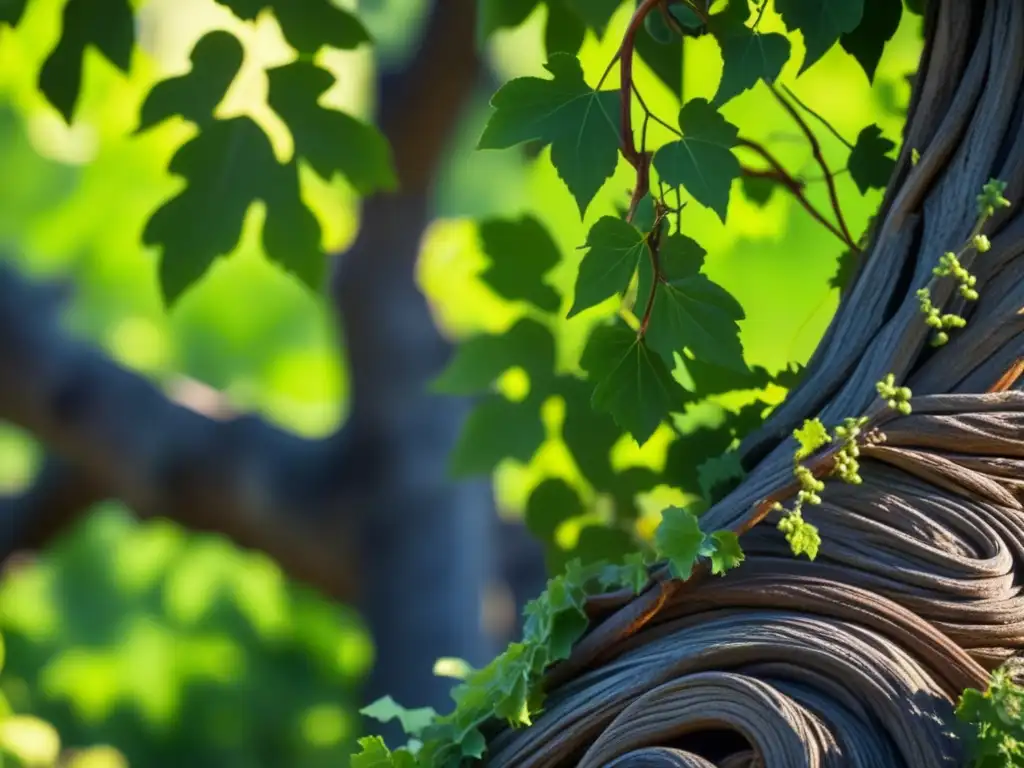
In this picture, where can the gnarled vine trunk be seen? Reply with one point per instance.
(856, 658)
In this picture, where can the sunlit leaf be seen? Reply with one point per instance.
(679, 540)
(386, 709)
(614, 249)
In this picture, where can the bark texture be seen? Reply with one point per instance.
(856, 658)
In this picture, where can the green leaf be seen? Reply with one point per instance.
(679, 540)
(719, 475)
(493, 15)
(292, 237)
(521, 253)
(599, 543)
(822, 22)
(108, 25)
(497, 429)
(551, 503)
(480, 360)
(645, 215)
(307, 25)
(330, 141)
(710, 379)
(564, 31)
(595, 13)
(11, 11)
(869, 163)
(227, 167)
(691, 311)
(702, 161)
(664, 60)
(631, 382)
(759, 189)
(615, 248)
(373, 753)
(747, 55)
(877, 27)
(626, 485)
(724, 551)
(216, 59)
(811, 436)
(690, 451)
(588, 434)
(803, 537)
(413, 721)
(656, 26)
(579, 123)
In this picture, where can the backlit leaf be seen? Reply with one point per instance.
(307, 25)
(679, 540)
(821, 22)
(578, 122)
(747, 55)
(877, 27)
(480, 360)
(521, 253)
(869, 163)
(615, 248)
(497, 429)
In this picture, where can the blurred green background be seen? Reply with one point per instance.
(182, 650)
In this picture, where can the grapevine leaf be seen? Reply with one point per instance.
(108, 25)
(811, 436)
(789, 376)
(690, 451)
(563, 614)
(564, 31)
(702, 161)
(759, 189)
(869, 163)
(719, 475)
(645, 215)
(11, 11)
(665, 60)
(307, 25)
(631, 382)
(600, 543)
(821, 22)
(521, 253)
(413, 721)
(497, 429)
(292, 237)
(373, 753)
(877, 27)
(995, 719)
(710, 379)
(552, 502)
(725, 552)
(330, 141)
(578, 122)
(615, 248)
(493, 15)
(480, 360)
(216, 59)
(846, 268)
(625, 487)
(679, 540)
(588, 434)
(631, 573)
(596, 13)
(747, 55)
(691, 311)
(656, 26)
(227, 166)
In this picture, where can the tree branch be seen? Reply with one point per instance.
(116, 434)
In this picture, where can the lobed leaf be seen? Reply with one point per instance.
(521, 253)
(615, 249)
(307, 25)
(821, 22)
(869, 163)
(497, 429)
(877, 27)
(480, 360)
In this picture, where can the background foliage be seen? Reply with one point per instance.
(181, 650)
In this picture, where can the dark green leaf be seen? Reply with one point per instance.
(551, 504)
(480, 360)
(686, 16)
(679, 257)
(789, 376)
(216, 59)
(877, 27)
(227, 166)
(679, 540)
(521, 253)
(689, 451)
(645, 214)
(497, 429)
(821, 22)
(292, 237)
(493, 15)
(759, 189)
(596, 13)
(627, 485)
(598, 542)
(846, 268)
(307, 25)
(330, 141)
(665, 60)
(11, 11)
(656, 26)
(710, 379)
(719, 475)
(588, 434)
(108, 25)
(579, 123)
(747, 55)
(564, 31)
(631, 382)
(615, 248)
(869, 163)
(702, 161)
(691, 311)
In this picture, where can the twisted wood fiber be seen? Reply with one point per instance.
(855, 659)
